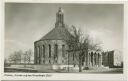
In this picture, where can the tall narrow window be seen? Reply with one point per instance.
(63, 50)
(49, 51)
(98, 57)
(95, 55)
(56, 51)
(89, 57)
(38, 54)
(39, 51)
(92, 57)
(43, 51)
(49, 62)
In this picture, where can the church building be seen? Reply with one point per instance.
(51, 49)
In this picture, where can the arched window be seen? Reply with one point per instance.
(95, 57)
(89, 57)
(43, 51)
(38, 54)
(98, 56)
(49, 62)
(92, 57)
(38, 51)
(56, 51)
(49, 51)
(63, 50)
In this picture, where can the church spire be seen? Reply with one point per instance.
(59, 18)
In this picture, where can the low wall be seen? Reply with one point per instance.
(9, 69)
(61, 66)
(44, 66)
(32, 66)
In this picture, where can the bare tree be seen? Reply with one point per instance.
(27, 56)
(80, 45)
(15, 57)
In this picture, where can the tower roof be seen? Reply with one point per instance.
(60, 9)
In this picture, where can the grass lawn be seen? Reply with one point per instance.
(30, 70)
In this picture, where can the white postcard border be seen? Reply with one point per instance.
(65, 76)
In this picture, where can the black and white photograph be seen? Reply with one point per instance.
(63, 38)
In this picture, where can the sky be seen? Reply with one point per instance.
(28, 22)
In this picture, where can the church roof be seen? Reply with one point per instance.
(58, 33)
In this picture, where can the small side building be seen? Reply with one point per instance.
(112, 59)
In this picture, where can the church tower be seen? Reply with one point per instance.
(59, 18)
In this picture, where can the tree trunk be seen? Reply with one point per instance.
(80, 63)
(80, 67)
